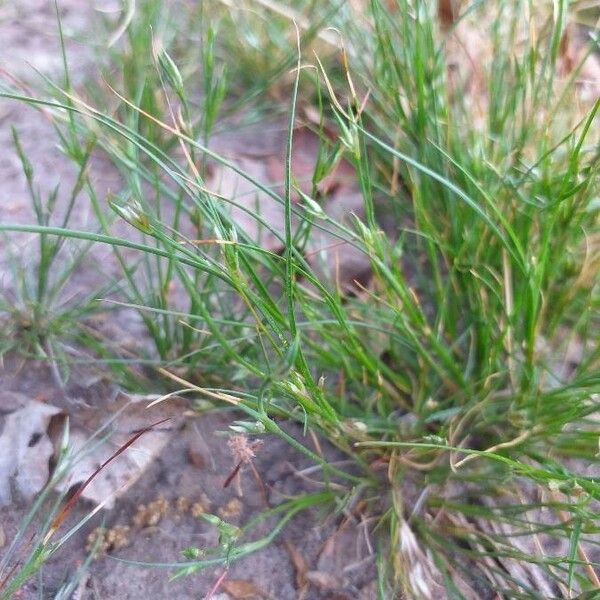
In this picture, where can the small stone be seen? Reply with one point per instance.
(196, 458)
(324, 581)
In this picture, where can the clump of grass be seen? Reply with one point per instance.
(452, 369)
(38, 310)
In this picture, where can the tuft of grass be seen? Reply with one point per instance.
(453, 368)
(38, 311)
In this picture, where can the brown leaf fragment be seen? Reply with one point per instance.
(70, 503)
(195, 457)
(368, 591)
(324, 581)
(198, 451)
(334, 259)
(299, 563)
(244, 200)
(305, 150)
(25, 447)
(121, 417)
(575, 55)
(241, 589)
(448, 12)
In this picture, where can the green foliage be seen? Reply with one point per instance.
(453, 368)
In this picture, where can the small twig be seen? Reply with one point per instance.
(420, 502)
(261, 484)
(510, 444)
(589, 569)
(315, 468)
(66, 509)
(232, 475)
(216, 585)
(365, 527)
(330, 484)
(358, 564)
(80, 589)
(279, 8)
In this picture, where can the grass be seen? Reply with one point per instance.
(451, 368)
(41, 319)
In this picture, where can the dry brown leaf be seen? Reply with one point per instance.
(467, 53)
(123, 417)
(415, 567)
(333, 258)
(262, 157)
(25, 447)
(305, 150)
(299, 563)
(574, 54)
(240, 589)
(324, 581)
(244, 199)
(345, 547)
(448, 12)
(369, 591)
(195, 456)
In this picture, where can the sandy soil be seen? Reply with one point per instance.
(194, 465)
